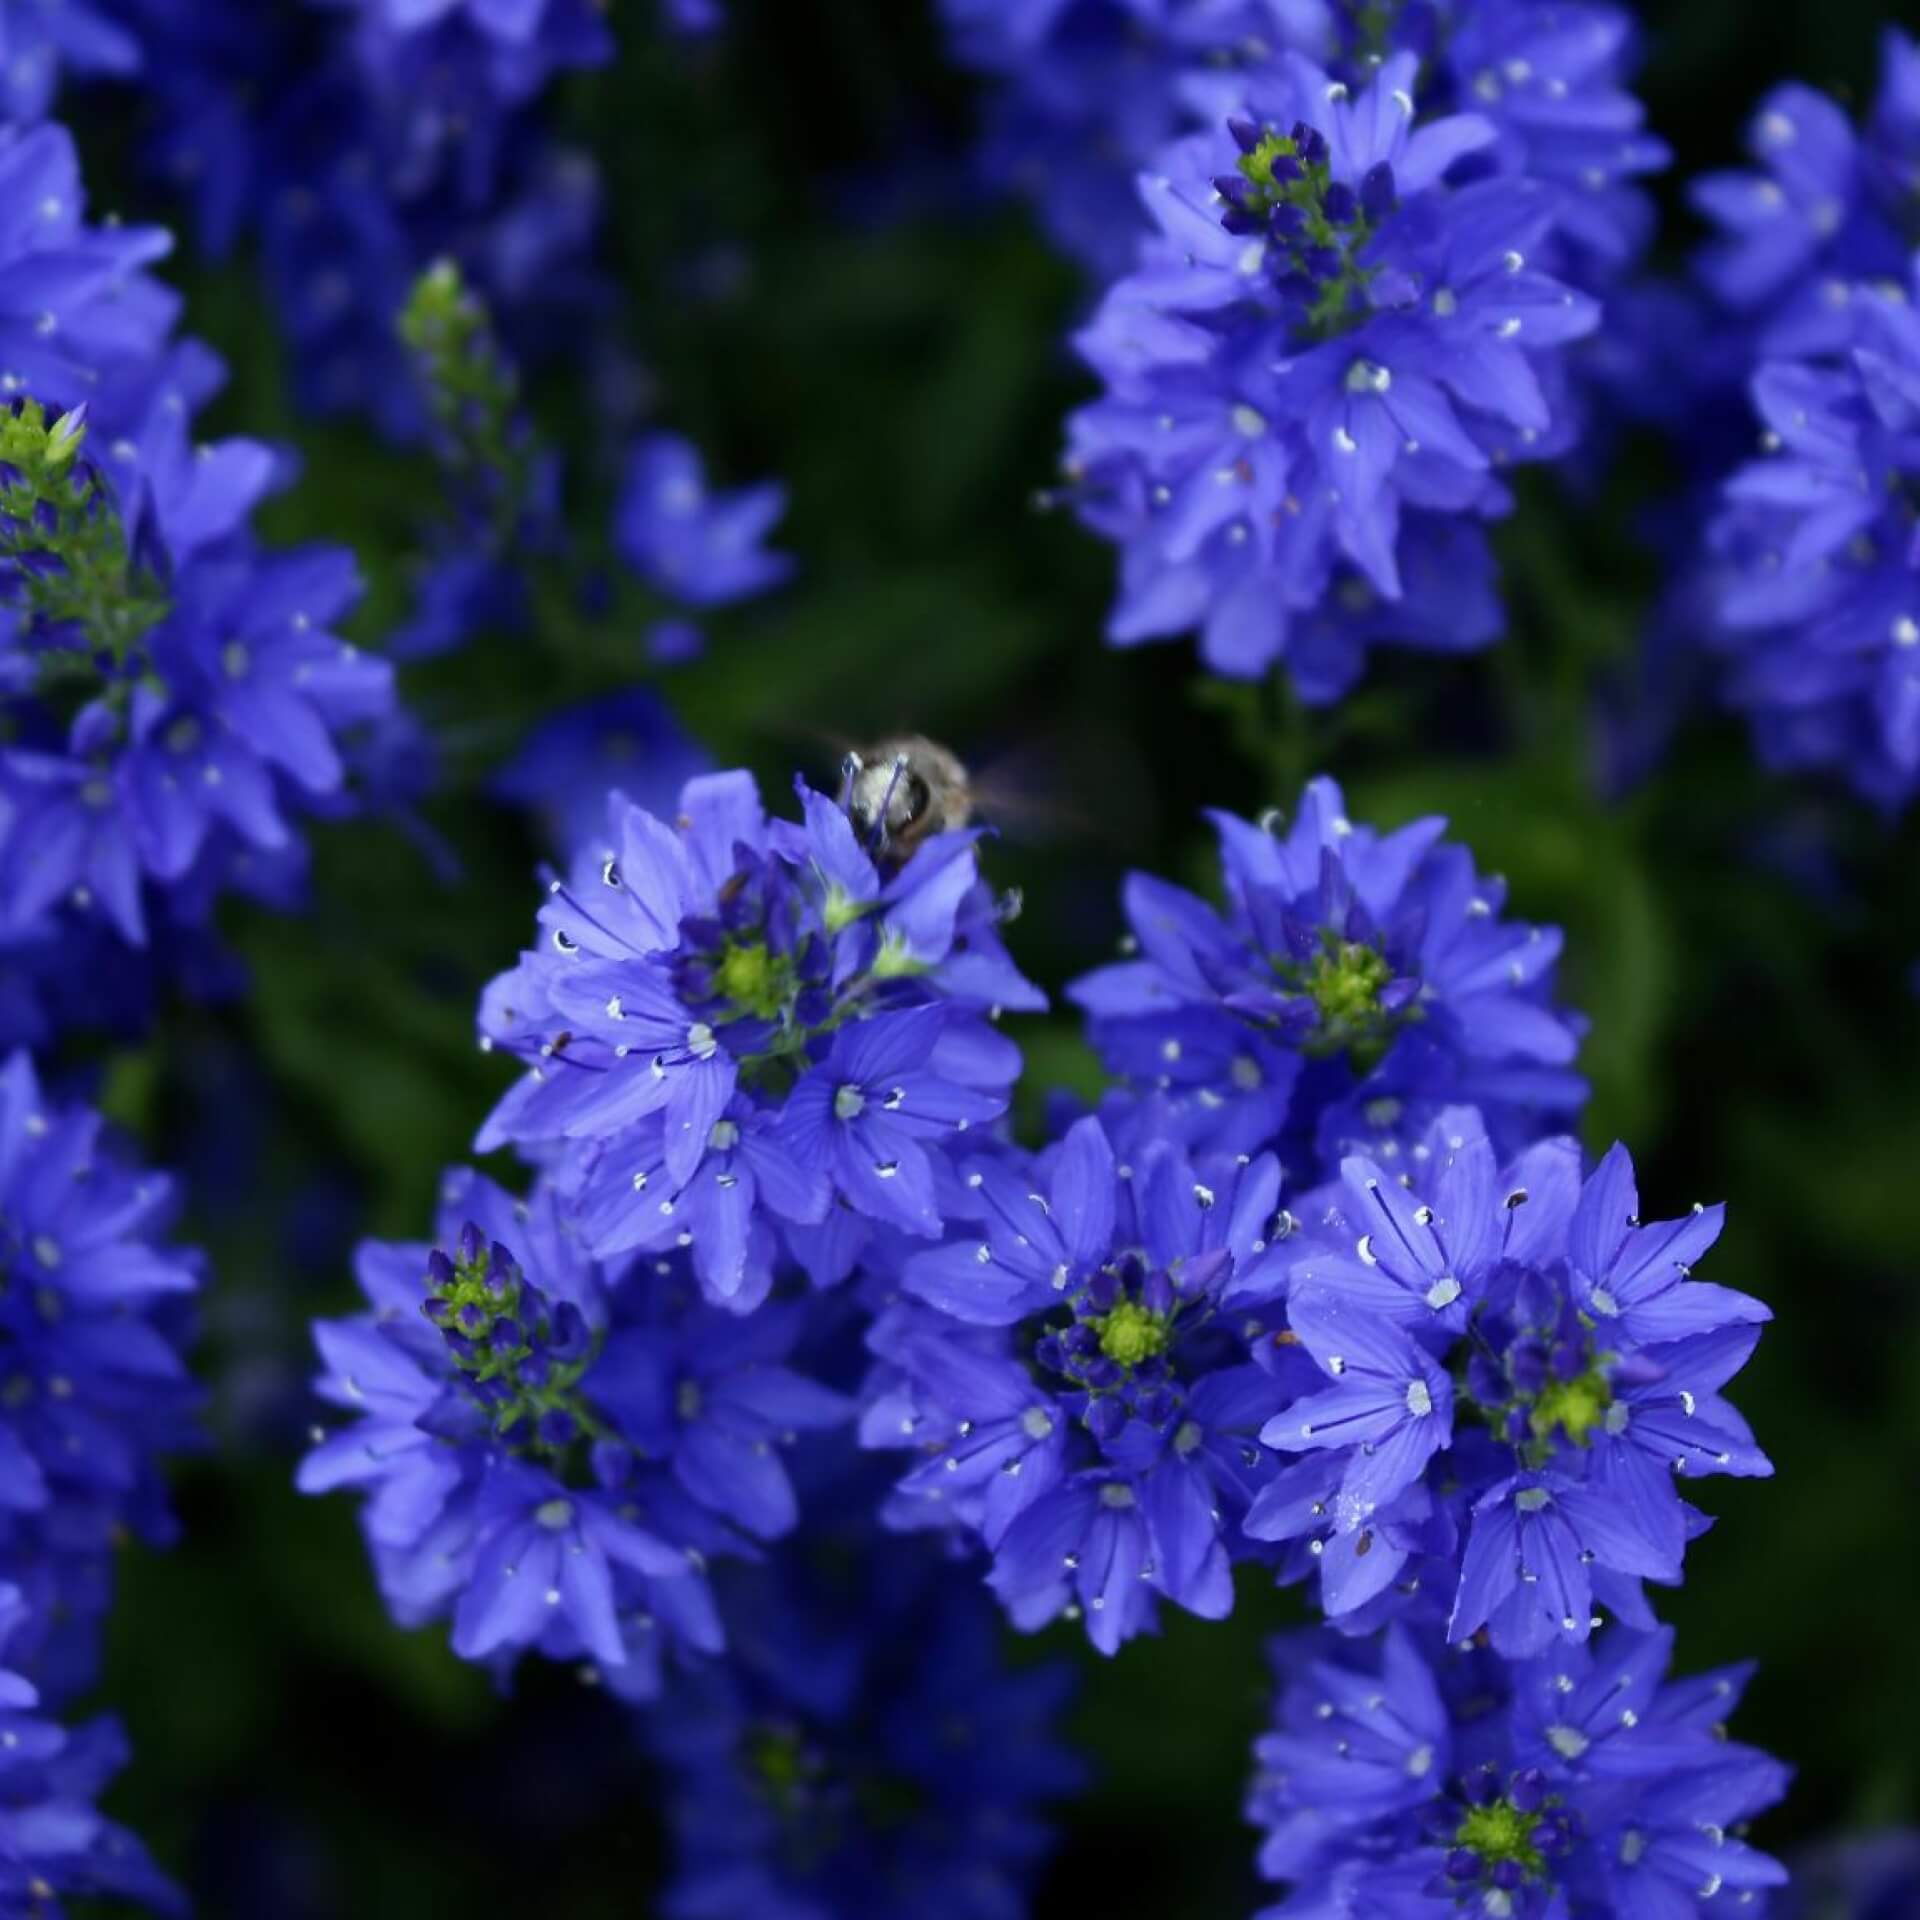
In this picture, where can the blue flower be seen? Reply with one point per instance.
(41, 38)
(1107, 1468)
(75, 303)
(54, 1843)
(1812, 563)
(1576, 1340)
(709, 1394)
(1552, 80)
(1322, 340)
(1825, 210)
(92, 1321)
(499, 1489)
(698, 548)
(865, 1750)
(1354, 978)
(211, 691)
(864, 1110)
(699, 986)
(626, 742)
(1420, 1782)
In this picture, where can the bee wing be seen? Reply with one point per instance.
(1043, 792)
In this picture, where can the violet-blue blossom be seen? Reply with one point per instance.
(1103, 1448)
(93, 1320)
(500, 1490)
(55, 1844)
(698, 986)
(698, 548)
(1812, 562)
(1324, 354)
(1509, 1360)
(1422, 1782)
(41, 40)
(1354, 979)
(1822, 210)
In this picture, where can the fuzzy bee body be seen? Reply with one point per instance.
(904, 790)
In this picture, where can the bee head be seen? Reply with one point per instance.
(886, 797)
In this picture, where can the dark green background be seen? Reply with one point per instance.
(894, 353)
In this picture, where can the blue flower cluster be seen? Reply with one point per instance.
(755, 1038)
(865, 1750)
(1500, 1374)
(357, 149)
(1074, 1366)
(1088, 91)
(552, 1449)
(579, 1421)
(174, 690)
(1321, 1286)
(1316, 1289)
(1355, 983)
(1326, 352)
(1811, 564)
(750, 1047)
(94, 1315)
(1421, 1781)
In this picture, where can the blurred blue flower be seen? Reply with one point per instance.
(1826, 208)
(626, 743)
(700, 549)
(39, 39)
(55, 1845)
(76, 306)
(93, 1319)
(865, 1749)
(1815, 563)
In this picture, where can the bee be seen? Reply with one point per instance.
(904, 790)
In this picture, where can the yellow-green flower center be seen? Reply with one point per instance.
(1345, 981)
(1258, 165)
(1132, 1333)
(895, 960)
(1302, 184)
(779, 1765)
(1500, 1831)
(752, 980)
(1575, 1406)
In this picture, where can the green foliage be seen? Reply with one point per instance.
(62, 540)
(474, 394)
